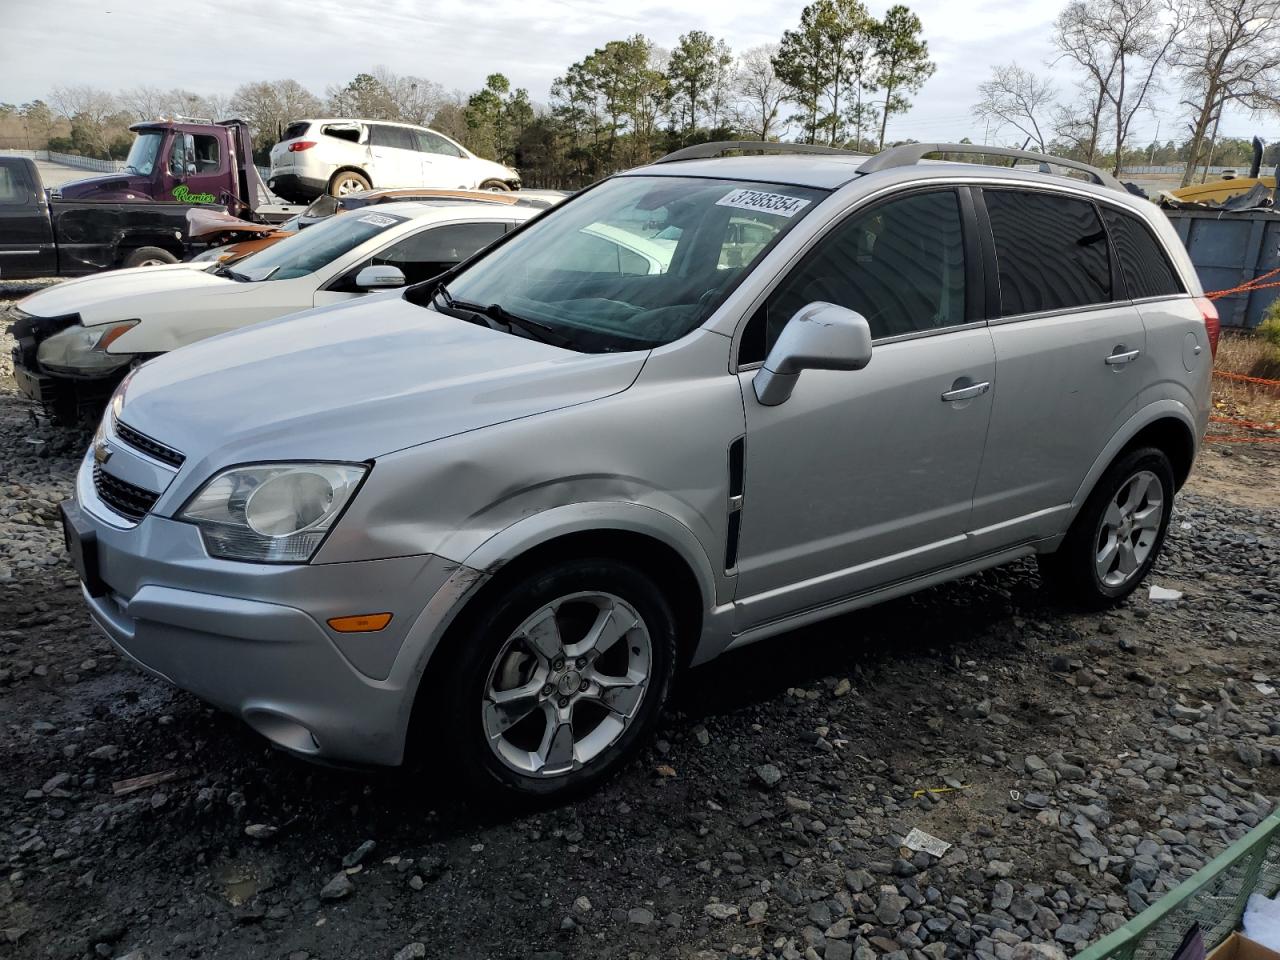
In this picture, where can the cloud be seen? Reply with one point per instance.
(216, 47)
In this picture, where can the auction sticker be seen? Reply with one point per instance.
(762, 202)
(377, 220)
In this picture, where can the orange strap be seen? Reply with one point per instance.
(1247, 424)
(1248, 286)
(1241, 378)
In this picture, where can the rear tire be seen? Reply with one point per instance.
(529, 708)
(347, 181)
(148, 257)
(1117, 535)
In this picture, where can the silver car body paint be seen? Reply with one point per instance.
(486, 445)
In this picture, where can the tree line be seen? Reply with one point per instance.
(837, 77)
(1122, 54)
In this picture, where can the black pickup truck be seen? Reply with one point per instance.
(135, 217)
(43, 237)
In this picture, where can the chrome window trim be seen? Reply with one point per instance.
(1060, 312)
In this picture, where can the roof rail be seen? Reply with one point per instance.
(717, 148)
(909, 154)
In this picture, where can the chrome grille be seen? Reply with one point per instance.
(124, 498)
(152, 448)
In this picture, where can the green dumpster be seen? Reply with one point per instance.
(1215, 898)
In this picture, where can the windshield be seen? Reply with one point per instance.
(309, 250)
(638, 261)
(143, 153)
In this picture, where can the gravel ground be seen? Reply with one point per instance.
(1079, 765)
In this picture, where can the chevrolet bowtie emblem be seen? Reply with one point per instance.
(101, 452)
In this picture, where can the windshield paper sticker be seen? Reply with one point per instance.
(377, 220)
(775, 203)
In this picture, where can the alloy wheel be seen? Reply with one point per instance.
(1129, 529)
(566, 684)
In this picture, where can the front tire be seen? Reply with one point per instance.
(556, 682)
(497, 186)
(148, 257)
(1117, 535)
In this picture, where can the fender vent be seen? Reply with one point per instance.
(737, 451)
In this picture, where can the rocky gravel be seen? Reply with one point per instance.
(1066, 771)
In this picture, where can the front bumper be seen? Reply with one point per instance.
(253, 639)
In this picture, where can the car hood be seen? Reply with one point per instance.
(123, 294)
(353, 382)
(115, 186)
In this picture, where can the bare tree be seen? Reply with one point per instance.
(1230, 54)
(1121, 45)
(1015, 97)
(93, 110)
(761, 92)
(270, 105)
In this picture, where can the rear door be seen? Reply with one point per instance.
(26, 234)
(1068, 343)
(395, 160)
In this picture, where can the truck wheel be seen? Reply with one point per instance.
(348, 181)
(148, 257)
(1118, 533)
(498, 186)
(557, 683)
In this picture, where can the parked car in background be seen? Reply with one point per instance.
(503, 508)
(204, 226)
(76, 340)
(341, 156)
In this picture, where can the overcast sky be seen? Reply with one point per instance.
(208, 47)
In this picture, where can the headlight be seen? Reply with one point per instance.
(82, 351)
(213, 253)
(273, 513)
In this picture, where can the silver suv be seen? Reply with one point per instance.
(700, 404)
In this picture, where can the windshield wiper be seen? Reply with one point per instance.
(499, 314)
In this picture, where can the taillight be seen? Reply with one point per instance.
(298, 145)
(1212, 325)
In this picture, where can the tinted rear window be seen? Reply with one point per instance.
(295, 130)
(1051, 251)
(1147, 270)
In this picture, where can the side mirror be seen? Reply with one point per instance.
(821, 336)
(379, 277)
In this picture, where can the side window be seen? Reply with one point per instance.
(429, 142)
(430, 252)
(900, 264)
(208, 154)
(341, 132)
(14, 190)
(401, 138)
(1143, 262)
(180, 149)
(744, 238)
(1051, 251)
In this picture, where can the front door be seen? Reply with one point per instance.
(443, 165)
(419, 256)
(1068, 353)
(864, 478)
(26, 235)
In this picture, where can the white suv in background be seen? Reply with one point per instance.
(341, 156)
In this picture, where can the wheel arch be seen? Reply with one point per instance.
(676, 562)
(349, 168)
(1166, 424)
(130, 241)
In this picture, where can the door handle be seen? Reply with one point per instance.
(967, 393)
(1120, 359)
